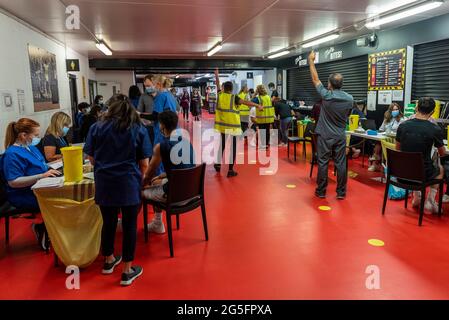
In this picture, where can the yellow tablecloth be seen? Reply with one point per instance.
(73, 221)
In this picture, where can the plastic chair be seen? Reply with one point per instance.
(185, 193)
(408, 169)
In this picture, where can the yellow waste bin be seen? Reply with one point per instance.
(353, 122)
(73, 163)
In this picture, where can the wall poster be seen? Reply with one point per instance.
(44, 79)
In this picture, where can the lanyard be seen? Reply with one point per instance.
(63, 143)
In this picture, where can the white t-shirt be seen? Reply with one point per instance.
(252, 114)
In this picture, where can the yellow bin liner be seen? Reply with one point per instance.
(353, 122)
(73, 163)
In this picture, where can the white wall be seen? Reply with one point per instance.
(124, 78)
(15, 71)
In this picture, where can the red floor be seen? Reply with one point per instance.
(266, 242)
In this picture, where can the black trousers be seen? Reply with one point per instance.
(150, 130)
(129, 227)
(265, 127)
(233, 150)
(244, 126)
(185, 112)
(328, 147)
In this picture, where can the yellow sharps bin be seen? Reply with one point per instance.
(73, 163)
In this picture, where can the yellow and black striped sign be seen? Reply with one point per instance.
(386, 70)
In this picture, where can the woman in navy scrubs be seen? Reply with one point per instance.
(55, 137)
(22, 166)
(119, 148)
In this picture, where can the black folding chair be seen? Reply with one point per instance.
(185, 193)
(408, 169)
(7, 210)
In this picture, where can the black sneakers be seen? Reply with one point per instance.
(341, 197)
(232, 173)
(128, 278)
(217, 167)
(108, 268)
(320, 195)
(41, 235)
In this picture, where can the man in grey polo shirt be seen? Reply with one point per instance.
(146, 105)
(330, 129)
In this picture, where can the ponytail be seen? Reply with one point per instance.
(11, 134)
(15, 128)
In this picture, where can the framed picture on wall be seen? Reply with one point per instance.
(44, 79)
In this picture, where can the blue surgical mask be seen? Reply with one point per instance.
(65, 130)
(35, 141)
(150, 90)
(395, 113)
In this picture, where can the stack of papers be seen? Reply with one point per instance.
(56, 164)
(56, 182)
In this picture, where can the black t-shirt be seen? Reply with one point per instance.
(283, 110)
(417, 135)
(51, 141)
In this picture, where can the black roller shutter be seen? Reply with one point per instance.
(354, 70)
(431, 71)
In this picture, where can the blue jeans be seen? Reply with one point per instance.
(284, 129)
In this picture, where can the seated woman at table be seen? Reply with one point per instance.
(55, 137)
(22, 166)
(119, 147)
(392, 119)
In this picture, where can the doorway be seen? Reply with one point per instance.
(93, 90)
(73, 95)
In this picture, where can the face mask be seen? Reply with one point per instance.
(65, 130)
(395, 113)
(101, 101)
(150, 90)
(34, 142)
(87, 110)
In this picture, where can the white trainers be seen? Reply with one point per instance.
(373, 168)
(374, 157)
(416, 201)
(430, 207)
(156, 227)
(446, 198)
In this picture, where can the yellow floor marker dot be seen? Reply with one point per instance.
(325, 208)
(376, 242)
(291, 186)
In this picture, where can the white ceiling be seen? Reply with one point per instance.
(188, 28)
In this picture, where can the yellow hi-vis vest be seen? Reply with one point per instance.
(244, 109)
(267, 115)
(227, 116)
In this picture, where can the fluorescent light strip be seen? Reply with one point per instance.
(321, 40)
(104, 48)
(404, 14)
(388, 7)
(215, 49)
(279, 54)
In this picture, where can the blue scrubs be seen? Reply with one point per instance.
(164, 101)
(118, 180)
(20, 162)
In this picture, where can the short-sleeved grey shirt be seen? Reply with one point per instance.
(335, 109)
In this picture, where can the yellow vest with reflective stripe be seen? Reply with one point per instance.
(244, 109)
(267, 115)
(227, 116)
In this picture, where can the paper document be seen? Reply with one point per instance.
(89, 175)
(56, 182)
(55, 165)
